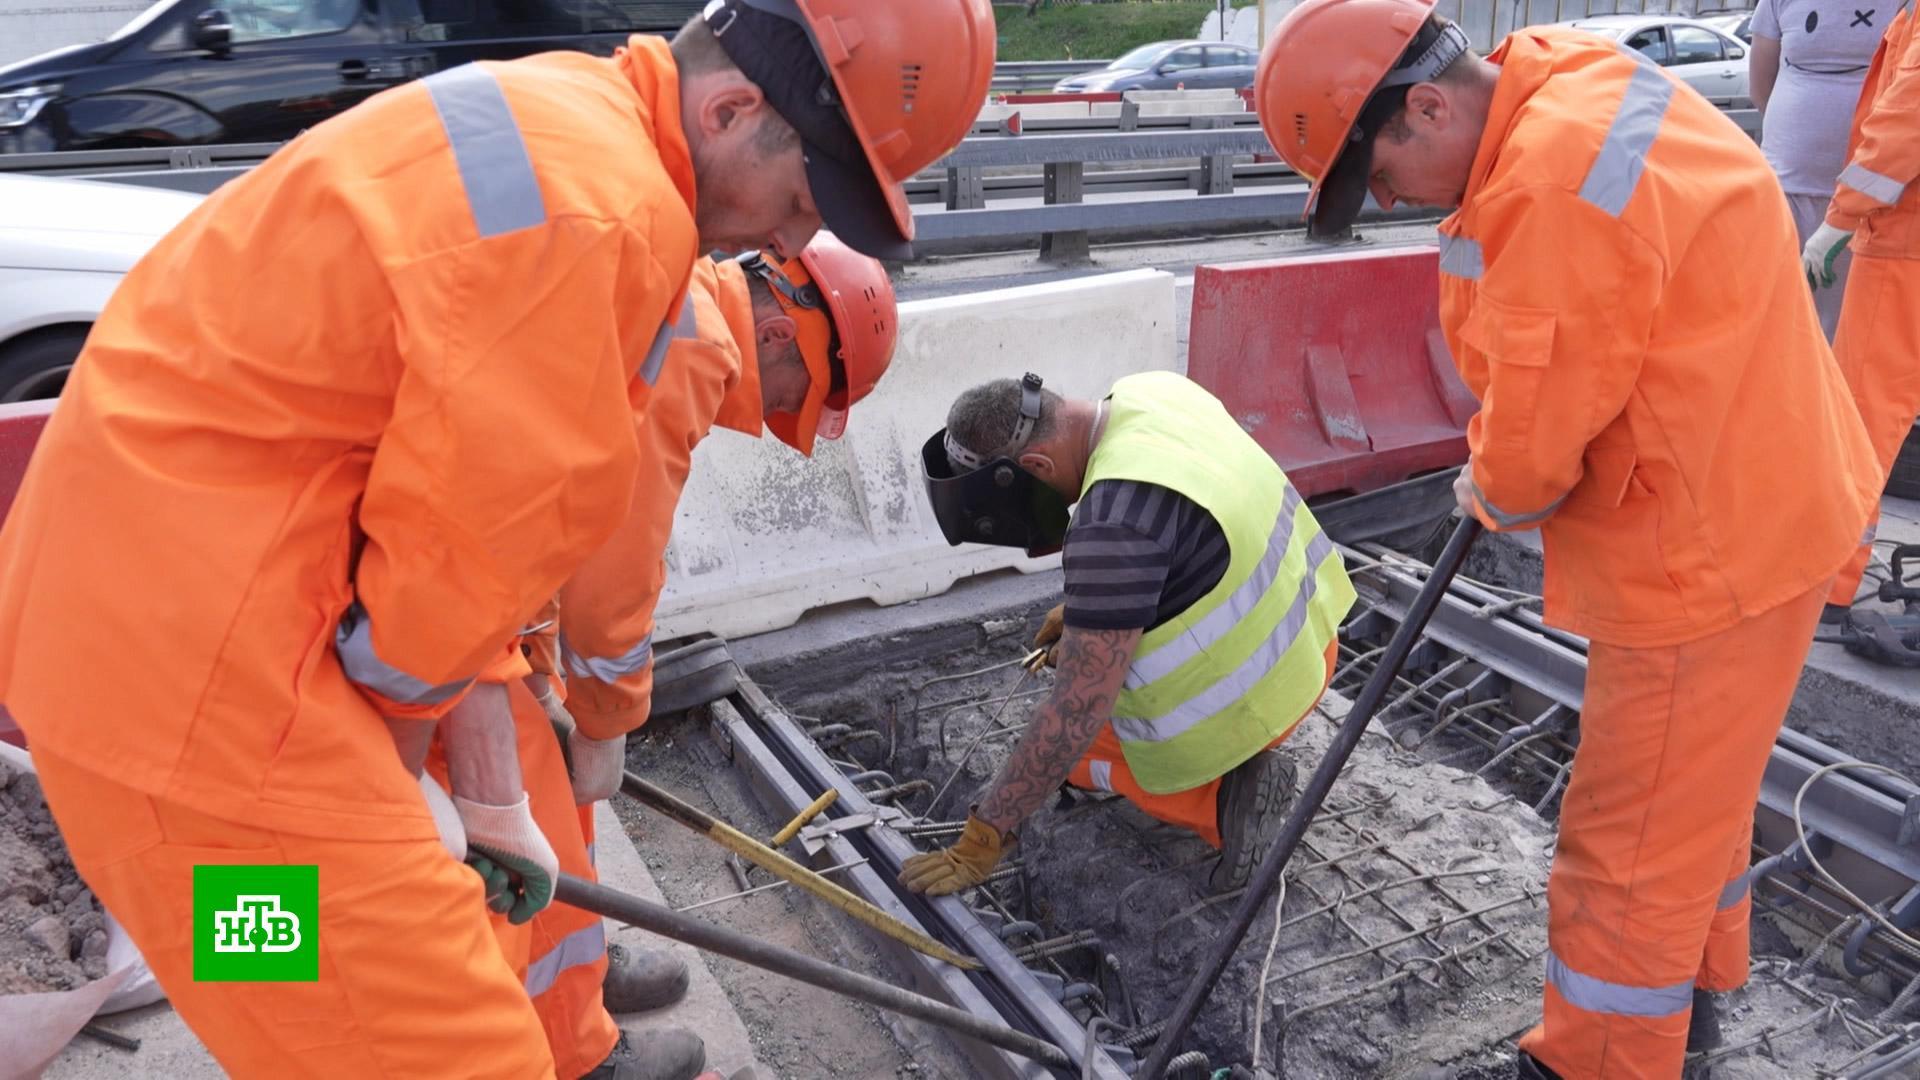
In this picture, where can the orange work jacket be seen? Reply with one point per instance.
(1877, 198)
(342, 432)
(711, 375)
(1621, 288)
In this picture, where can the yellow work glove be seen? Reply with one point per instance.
(962, 866)
(1048, 636)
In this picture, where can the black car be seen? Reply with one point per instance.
(235, 71)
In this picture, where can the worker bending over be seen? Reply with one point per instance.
(1876, 212)
(796, 344)
(1618, 286)
(1202, 605)
(265, 547)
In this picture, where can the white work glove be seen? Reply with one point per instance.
(598, 766)
(445, 817)
(1823, 248)
(506, 848)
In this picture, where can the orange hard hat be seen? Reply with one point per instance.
(843, 306)
(904, 83)
(1324, 65)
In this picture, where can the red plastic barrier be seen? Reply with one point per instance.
(1335, 364)
(19, 430)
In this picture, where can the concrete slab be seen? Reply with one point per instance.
(170, 1051)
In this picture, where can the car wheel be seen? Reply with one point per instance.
(36, 366)
(1904, 481)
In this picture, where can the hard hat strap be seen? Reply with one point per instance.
(1448, 46)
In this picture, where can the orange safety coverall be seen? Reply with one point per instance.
(1620, 288)
(1878, 200)
(333, 441)
(1104, 768)
(605, 626)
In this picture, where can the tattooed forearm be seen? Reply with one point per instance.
(1093, 664)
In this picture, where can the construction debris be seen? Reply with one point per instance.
(53, 935)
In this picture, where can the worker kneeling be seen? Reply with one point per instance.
(1202, 606)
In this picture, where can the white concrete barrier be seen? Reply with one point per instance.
(763, 535)
(1193, 108)
(1205, 94)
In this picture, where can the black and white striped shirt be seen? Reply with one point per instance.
(1137, 554)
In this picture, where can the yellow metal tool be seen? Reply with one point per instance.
(826, 799)
(785, 868)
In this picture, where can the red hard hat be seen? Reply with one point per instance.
(843, 306)
(1321, 67)
(908, 77)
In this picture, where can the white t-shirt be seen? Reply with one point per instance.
(1825, 47)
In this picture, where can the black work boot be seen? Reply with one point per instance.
(1252, 806)
(642, 979)
(1526, 1068)
(1703, 1024)
(1834, 614)
(667, 1054)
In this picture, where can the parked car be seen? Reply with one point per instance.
(1170, 65)
(64, 246)
(1737, 23)
(221, 71)
(1706, 58)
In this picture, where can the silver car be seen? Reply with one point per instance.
(1170, 65)
(1704, 57)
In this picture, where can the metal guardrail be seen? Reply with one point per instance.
(955, 195)
(1023, 76)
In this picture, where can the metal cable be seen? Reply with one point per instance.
(1800, 830)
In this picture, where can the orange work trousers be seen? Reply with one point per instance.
(412, 980)
(560, 954)
(1878, 346)
(1104, 768)
(1648, 897)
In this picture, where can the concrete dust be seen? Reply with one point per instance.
(52, 933)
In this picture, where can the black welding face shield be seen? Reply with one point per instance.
(989, 498)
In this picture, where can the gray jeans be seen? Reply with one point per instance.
(1808, 212)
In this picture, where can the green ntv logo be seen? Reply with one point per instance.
(256, 923)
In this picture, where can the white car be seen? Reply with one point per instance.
(1704, 57)
(64, 245)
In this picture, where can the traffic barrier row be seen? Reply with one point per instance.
(763, 535)
(1335, 364)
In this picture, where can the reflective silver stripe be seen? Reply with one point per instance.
(1219, 622)
(1460, 257)
(1103, 775)
(353, 640)
(1735, 892)
(591, 861)
(1513, 521)
(583, 946)
(1235, 684)
(1623, 156)
(1882, 189)
(607, 669)
(682, 327)
(502, 191)
(1600, 996)
(1873, 530)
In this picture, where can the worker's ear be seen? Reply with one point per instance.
(773, 332)
(1428, 108)
(730, 109)
(1042, 466)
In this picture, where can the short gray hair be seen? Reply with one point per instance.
(983, 419)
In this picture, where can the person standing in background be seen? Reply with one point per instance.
(1806, 66)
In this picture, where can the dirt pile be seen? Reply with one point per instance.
(52, 933)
